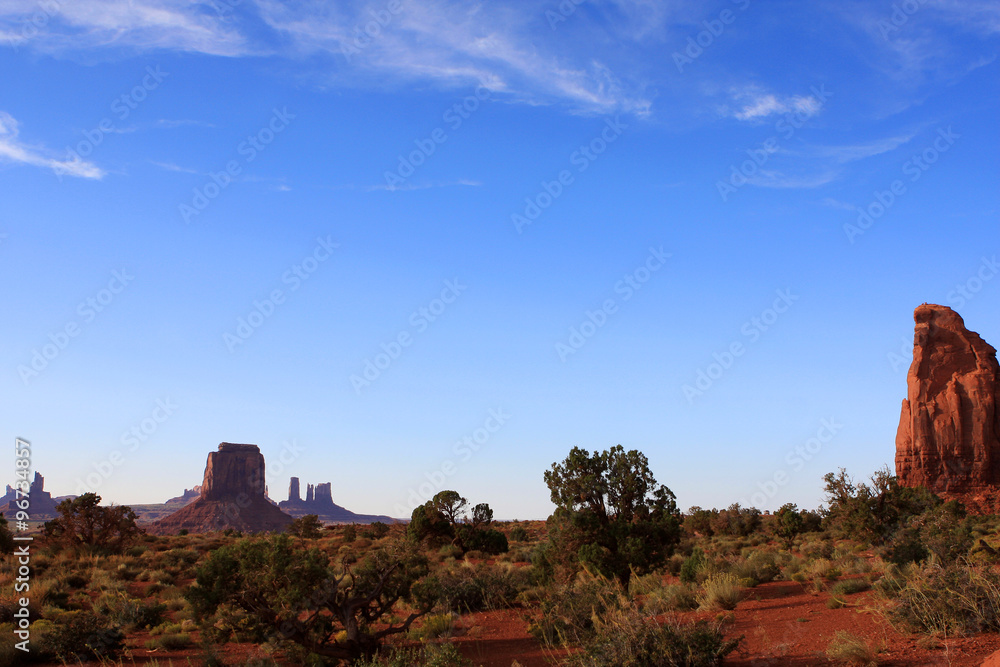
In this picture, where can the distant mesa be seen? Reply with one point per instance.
(186, 498)
(319, 501)
(41, 503)
(232, 495)
(949, 427)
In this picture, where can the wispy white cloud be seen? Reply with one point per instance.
(754, 103)
(170, 166)
(776, 179)
(60, 26)
(407, 187)
(13, 150)
(852, 152)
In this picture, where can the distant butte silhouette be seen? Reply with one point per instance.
(232, 495)
(949, 425)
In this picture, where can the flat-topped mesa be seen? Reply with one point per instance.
(233, 495)
(234, 471)
(949, 426)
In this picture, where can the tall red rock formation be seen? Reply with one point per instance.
(949, 428)
(232, 496)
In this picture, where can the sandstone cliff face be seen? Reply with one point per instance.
(232, 496)
(949, 427)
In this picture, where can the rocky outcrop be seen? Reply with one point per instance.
(319, 501)
(232, 495)
(41, 503)
(189, 496)
(949, 427)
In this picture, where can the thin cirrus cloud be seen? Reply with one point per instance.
(753, 104)
(16, 151)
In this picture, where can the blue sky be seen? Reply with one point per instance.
(406, 246)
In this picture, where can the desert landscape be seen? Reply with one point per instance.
(902, 568)
(485, 333)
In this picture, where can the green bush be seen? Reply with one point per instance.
(482, 586)
(675, 597)
(760, 568)
(721, 591)
(171, 642)
(567, 612)
(628, 638)
(952, 599)
(129, 612)
(693, 566)
(851, 650)
(849, 587)
(79, 636)
(518, 534)
(432, 655)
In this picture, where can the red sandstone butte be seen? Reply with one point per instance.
(948, 430)
(233, 495)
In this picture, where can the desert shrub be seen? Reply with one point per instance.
(693, 566)
(79, 636)
(482, 586)
(349, 532)
(169, 642)
(673, 597)
(518, 533)
(129, 612)
(612, 516)
(295, 595)
(627, 638)
(737, 521)
(644, 584)
(952, 599)
(849, 649)
(567, 612)
(487, 541)
(432, 655)
(760, 568)
(721, 591)
(825, 569)
(850, 587)
(435, 626)
(83, 525)
(6, 537)
(376, 531)
(449, 551)
(308, 527)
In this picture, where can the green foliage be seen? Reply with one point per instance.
(79, 636)
(169, 642)
(432, 655)
(83, 524)
(6, 537)
(349, 533)
(952, 599)
(699, 521)
(443, 519)
(759, 568)
(627, 638)
(721, 591)
(693, 566)
(567, 612)
(518, 533)
(736, 521)
(467, 589)
(293, 594)
(873, 511)
(850, 649)
(612, 516)
(376, 531)
(308, 527)
(788, 523)
(128, 612)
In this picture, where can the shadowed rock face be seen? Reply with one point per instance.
(319, 501)
(233, 471)
(949, 425)
(232, 496)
